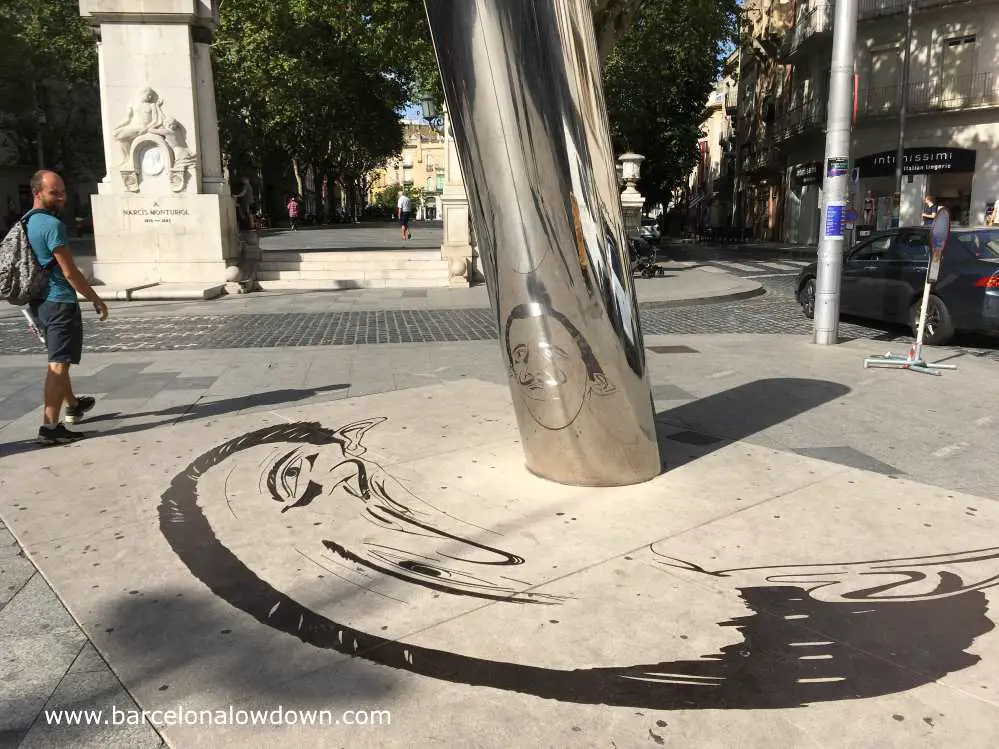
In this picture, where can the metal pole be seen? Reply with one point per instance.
(522, 85)
(837, 175)
(903, 110)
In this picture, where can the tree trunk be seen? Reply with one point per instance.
(298, 177)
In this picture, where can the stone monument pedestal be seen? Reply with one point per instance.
(457, 248)
(164, 213)
(167, 239)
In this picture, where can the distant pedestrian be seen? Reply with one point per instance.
(931, 211)
(293, 212)
(405, 212)
(56, 308)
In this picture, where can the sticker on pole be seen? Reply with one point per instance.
(939, 232)
(835, 219)
(837, 167)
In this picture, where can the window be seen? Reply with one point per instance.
(430, 162)
(876, 249)
(913, 247)
(982, 244)
(957, 71)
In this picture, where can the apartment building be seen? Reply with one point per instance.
(420, 165)
(712, 180)
(951, 98)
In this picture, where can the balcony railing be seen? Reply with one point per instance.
(956, 93)
(877, 8)
(732, 99)
(819, 20)
(811, 115)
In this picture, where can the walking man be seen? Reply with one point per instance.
(932, 209)
(56, 308)
(293, 212)
(405, 210)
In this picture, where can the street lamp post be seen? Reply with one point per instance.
(903, 110)
(837, 175)
(428, 107)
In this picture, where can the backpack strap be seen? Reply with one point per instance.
(24, 222)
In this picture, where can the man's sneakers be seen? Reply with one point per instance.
(58, 435)
(75, 414)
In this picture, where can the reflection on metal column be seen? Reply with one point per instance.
(522, 84)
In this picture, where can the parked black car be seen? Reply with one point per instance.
(884, 276)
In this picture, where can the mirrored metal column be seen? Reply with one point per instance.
(522, 84)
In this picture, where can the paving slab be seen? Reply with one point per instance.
(390, 552)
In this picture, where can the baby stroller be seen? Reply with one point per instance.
(644, 258)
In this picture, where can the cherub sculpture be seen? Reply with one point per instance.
(144, 117)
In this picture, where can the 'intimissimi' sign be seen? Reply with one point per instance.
(918, 161)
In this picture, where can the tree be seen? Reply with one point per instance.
(320, 82)
(657, 80)
(49, 86)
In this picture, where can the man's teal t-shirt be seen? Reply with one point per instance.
(46, 234)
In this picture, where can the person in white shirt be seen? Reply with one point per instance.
(405, 212)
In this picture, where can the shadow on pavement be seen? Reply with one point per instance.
(697, 429)
(164, 630)
(186, 412)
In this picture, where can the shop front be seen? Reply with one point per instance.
(947, 174)
(804, 203)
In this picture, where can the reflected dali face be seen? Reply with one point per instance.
(549, 367)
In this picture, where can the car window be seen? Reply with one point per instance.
(876, 249)
(982, 244)
(913, 246)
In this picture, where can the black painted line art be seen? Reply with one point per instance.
(552, 364)
(810, 633)
(901, 580)
(319, 477)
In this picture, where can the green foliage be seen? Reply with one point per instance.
(48, 66)
(657, 81)
(388, 198)
(318, 81)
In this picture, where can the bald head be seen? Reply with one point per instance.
(48, 191)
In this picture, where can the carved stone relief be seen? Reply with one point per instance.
(152, 143)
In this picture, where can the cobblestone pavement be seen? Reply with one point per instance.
(776, 312)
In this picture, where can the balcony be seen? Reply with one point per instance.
(763, 161)
(732, 100)
(979, 91)
(868, 9)
(806, 117)
(817, 22)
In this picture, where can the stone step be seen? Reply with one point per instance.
(348, 269)
(364, 256)
(353, 274)
(342, 266)
(289, 284)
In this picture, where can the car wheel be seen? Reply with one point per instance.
(939, 328)
(806, 298)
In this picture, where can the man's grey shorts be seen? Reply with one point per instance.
(62, 326)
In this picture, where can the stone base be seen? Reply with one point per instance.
(460, 261)
(159, 292)
(145, 239)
